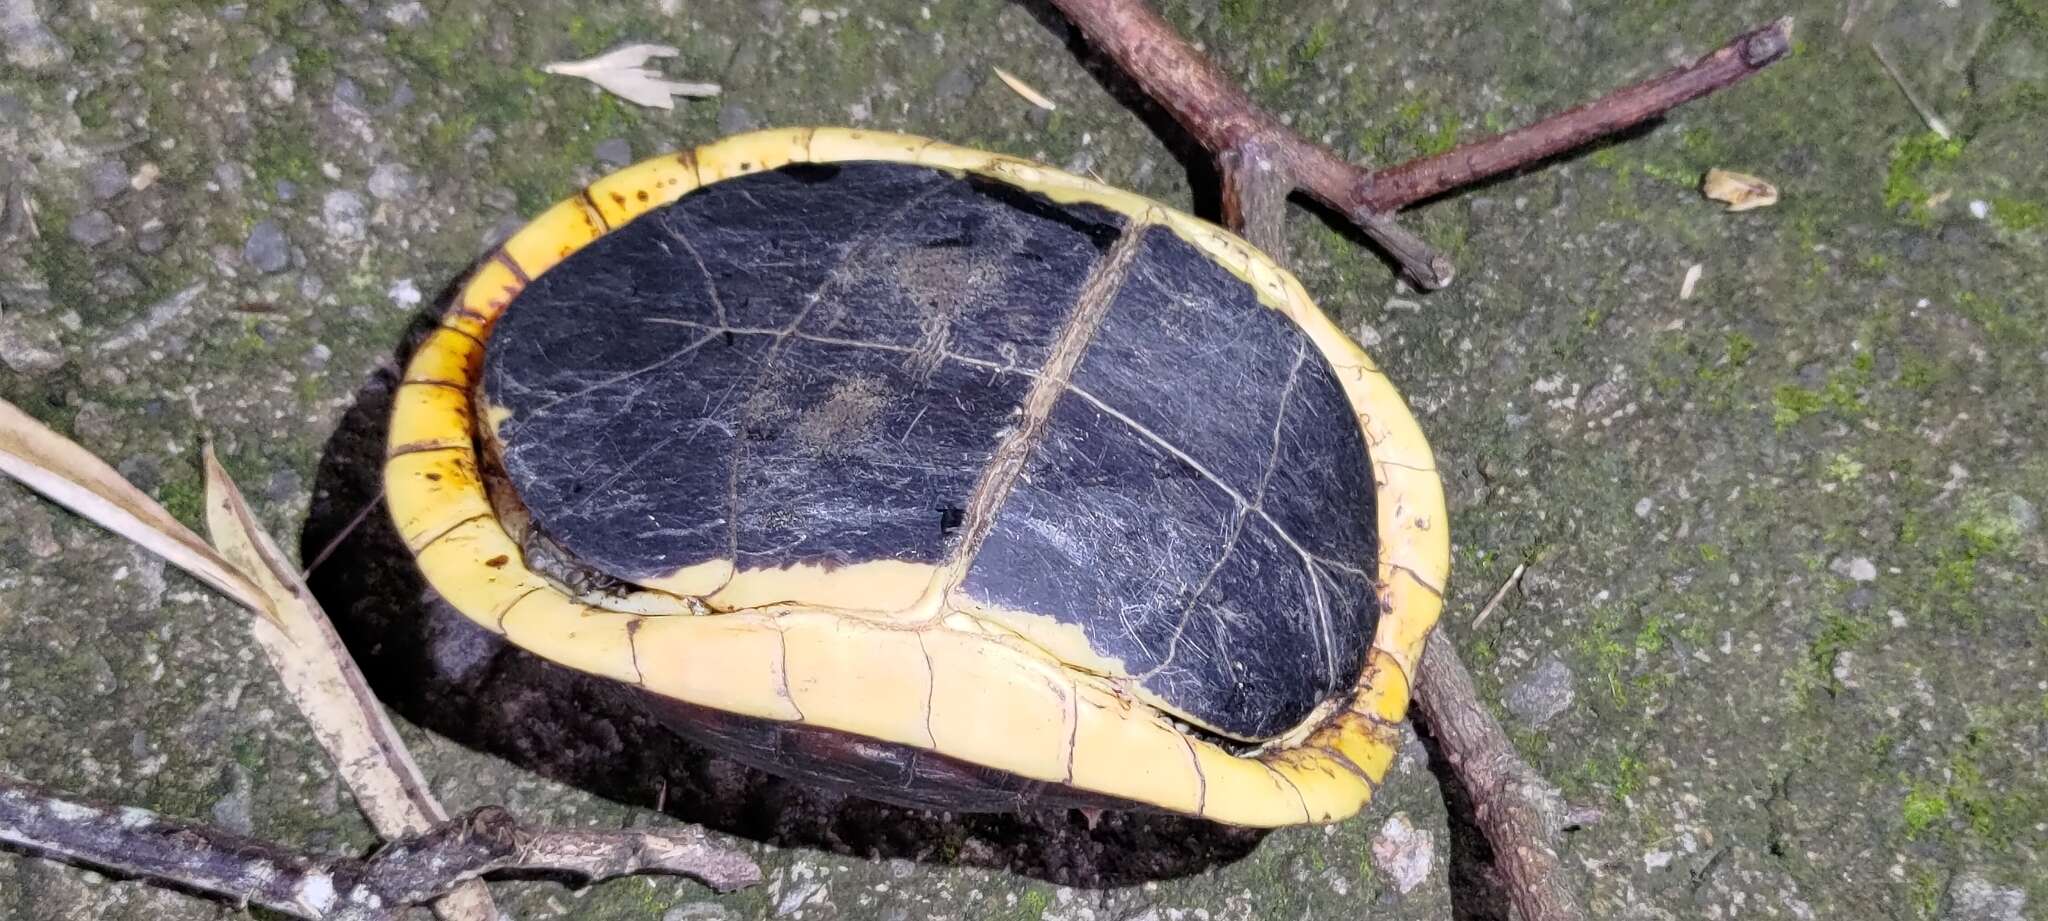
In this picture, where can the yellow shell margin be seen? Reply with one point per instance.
(1029, 715)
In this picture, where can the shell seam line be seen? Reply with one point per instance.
(1105, 280)
(1236, 519)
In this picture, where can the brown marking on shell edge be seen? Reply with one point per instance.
(1365, 426)
(1381, 731)
(1349, 766)
(445, 532)
(633, 648)
(499, 561)
(511, 265)
(641, 195)
(590, 204)
(1073, 727)
(477, 316)
(450, 385)
(1298, 798)
(1419, 580)
(421, 447)
(1393, 662)
(1403, 466)
(931, 686)
(466, 334)
(782, 669)
(1368, 717)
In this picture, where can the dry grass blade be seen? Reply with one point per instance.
(296, 637)
(71, 476)
(323, 681)
(1934, 122)
(1024, 89)
(1500, 593)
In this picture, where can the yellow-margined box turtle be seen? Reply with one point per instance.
(934, 475)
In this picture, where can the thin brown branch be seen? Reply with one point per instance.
(1508, 796)
(407, 872)
(1246, 139)
(1399, 186)
(1255, 199)
(1225, 121)
(133, 842)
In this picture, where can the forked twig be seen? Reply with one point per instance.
(1263, 158)
(1251, 145)
(431, 858)
(409, 871)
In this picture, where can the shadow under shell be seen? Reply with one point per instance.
(439, 670)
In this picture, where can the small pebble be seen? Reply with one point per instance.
(2024, 516)
(1542, 694)
(347, 220)
(232, 810)
(404, 294)
(390, 181)
(1403, 852)
(107, 179)
(25, 41)
(956, 84)
(1974, 898)
(406, 15)
(734, 118)
(1859, 569)
(1844, 669)
(227, 177)
(30, 351)
(92, 228)
(267, 250)
(614, 151)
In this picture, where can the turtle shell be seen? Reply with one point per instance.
(934, 475)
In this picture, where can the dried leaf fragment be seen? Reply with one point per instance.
(1692, 280)
(71, 476)
(322, 680)
(1740, 191)
(1024, 89)
(620, 73)
(249, 569)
